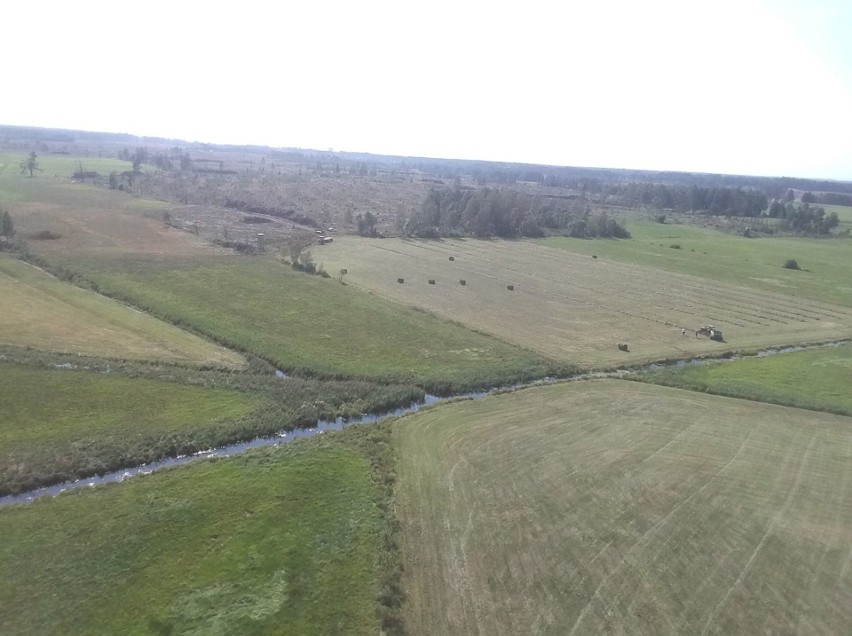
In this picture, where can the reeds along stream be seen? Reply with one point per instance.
(339, 423)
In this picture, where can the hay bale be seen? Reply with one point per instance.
(510, 287)
(400, 280)
(431, 281)
(622, 346)
(462, 282)
(594, 255)
(344, 271)
(452, 258)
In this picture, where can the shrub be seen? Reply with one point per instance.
(791, 263)
(675, 246)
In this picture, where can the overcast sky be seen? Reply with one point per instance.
(736, 86)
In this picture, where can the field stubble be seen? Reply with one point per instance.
(576, 308)
(608, 506)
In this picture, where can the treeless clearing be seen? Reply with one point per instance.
(612, 507)
(577, 308)
(39, 311)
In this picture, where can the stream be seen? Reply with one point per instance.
(340, 423)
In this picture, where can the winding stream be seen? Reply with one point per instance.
(339, 423)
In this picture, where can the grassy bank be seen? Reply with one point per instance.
(607, 506)
(286, 540)
(66, 423)
(818, 379)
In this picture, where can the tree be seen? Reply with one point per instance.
(367, 224)
(30, 164)
(7, 228)
(139, 157)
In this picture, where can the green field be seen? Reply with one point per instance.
(576, 308)
(725, 257)
(278, 541)
(59, 424)
(616, 507)
(819, 379)
(304, 322)
(39, 311)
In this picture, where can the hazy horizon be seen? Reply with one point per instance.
(752, 87)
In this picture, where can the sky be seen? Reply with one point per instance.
(761, 87)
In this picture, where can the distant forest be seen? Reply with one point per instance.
(468, 198)
(506, 213)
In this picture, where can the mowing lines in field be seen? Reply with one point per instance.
(39, 311)
(606, 506)
(576, 307)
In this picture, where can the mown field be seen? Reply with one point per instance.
(37, 310)
(314, 325)
(728, 258)
(285, 540)
(819, 379)
(612, 507)
(574, 307)
(258, 304)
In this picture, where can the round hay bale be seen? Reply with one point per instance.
(510, 287)
(400, 280)
(462, 282)
(452, 258)
(431, 281)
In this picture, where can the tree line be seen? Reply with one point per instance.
(485, 212)
(703, 200)
(803, 219)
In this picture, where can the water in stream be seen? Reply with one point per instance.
(339, 423)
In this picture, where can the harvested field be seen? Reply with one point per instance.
(39, 311)
(616, 507)
(577, 308)
(308, 323)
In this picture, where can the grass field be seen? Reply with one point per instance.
(278, 541)
(728, 258)
(58, 424)
(309, 323)
(39, 311)
(575, 307)
(616, 507)
(819, 379)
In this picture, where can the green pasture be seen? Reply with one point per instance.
(720, 256)
(66, 417)
(62, 423)
(607, 506)
(283, 540)
(53, 184)
(819, 379)
(311, 324)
